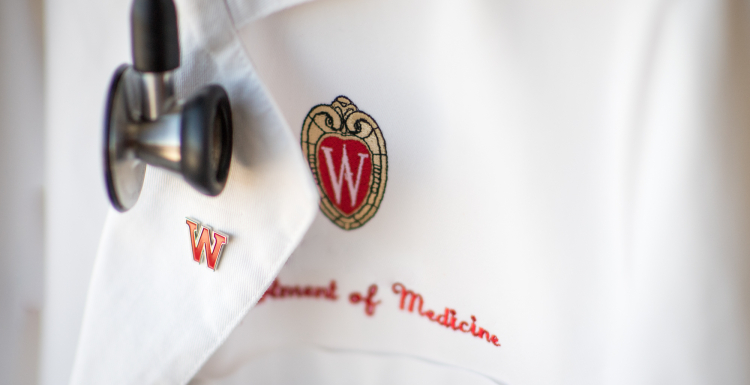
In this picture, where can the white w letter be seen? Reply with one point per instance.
(345, 172)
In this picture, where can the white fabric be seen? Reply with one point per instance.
(152, 314)
(311, 366)
(84, 41)
(574, 175)
(244, 12)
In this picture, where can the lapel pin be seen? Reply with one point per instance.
(206, 242)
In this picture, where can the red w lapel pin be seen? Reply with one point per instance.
(202, 245)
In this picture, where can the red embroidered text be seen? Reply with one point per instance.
(277, 291)
(448, 319)
(356, 298)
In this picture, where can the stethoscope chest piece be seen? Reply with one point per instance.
(124, 171)
(146, 124)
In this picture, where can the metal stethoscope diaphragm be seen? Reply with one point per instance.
(146, 124)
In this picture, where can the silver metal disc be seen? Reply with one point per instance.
(124, 172)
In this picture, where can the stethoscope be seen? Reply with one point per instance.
(146, 124)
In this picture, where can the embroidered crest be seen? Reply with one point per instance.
(346, 153)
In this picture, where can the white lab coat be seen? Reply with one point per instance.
(574, 176)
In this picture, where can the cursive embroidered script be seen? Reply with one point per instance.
(370, 304)
(277, 291)
(409, 301)
(447, 319)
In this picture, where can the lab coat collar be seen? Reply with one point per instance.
(245, 12)
(153, 315)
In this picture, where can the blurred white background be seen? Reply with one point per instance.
(51, 194)
(21, 193)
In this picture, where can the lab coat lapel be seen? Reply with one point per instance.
(246, 11)
(153, 315)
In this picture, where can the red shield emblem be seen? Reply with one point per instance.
(346, 153)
